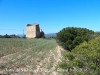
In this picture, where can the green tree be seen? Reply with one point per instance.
(70, 37)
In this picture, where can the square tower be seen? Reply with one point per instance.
(32, 31)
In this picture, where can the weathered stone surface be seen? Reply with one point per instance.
(33, 31)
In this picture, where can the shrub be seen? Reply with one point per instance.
(85, 56)
(70, 37)
(68, 56)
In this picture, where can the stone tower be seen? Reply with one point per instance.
(33, 31)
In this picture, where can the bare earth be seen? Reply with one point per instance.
(32, 66)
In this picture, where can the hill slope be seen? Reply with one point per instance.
(50, 35)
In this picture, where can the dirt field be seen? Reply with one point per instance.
(36, 57)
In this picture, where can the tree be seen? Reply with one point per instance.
(6, 36)
(70, 37)
(42, 34)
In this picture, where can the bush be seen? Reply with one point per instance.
(85, 56)
(70, 37)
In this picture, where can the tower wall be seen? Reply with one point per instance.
(32, 31)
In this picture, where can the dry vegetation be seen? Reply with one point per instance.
(29, 56)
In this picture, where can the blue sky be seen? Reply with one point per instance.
(52, 15)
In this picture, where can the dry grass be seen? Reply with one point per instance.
(29, 56)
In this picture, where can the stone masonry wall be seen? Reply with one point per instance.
(32, 31)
